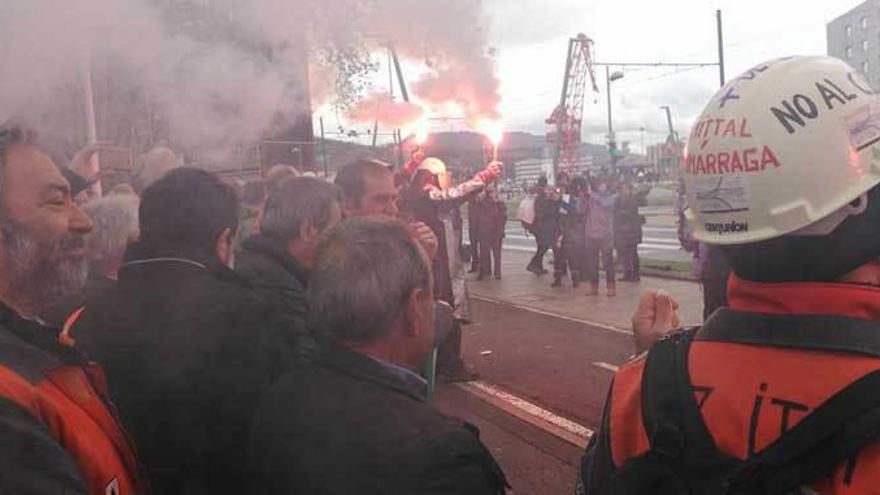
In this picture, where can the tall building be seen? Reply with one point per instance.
(855, 38)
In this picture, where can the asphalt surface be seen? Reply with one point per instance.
(659, 243)
(562, 365)
(533, 461)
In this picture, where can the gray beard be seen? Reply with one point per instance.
(41, 274)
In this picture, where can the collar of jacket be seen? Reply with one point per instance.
(274, 248)
(31, 349)
(855, 301)
(175, 266)
(363, 367)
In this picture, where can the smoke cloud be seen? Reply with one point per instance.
(218, 73)
(379, 106)
(451, 39)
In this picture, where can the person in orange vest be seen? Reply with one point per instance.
(58, 429)
(780, 391)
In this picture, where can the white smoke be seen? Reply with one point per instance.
(223, 72)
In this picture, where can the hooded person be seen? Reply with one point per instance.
(431, 198)
(780, 391)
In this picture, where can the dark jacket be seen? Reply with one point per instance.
(627, 219)
(572, 222)
(546, 217)
(58, 314)
(475, 205)
(273, 272)
(491, 218)
(58, 432)
(188, 350)
(351, 424)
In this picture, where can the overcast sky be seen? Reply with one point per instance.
(531, 38)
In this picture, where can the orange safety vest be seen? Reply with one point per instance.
(749, 394)
(71, 401)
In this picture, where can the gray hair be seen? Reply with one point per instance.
(296, 202)
(365, 270)
(116, 224)
(152, 166)
(278, 174)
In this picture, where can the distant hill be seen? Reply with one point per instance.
(460, 150)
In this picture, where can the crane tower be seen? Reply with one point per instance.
(568, 116)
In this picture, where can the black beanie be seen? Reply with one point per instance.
(826, 258)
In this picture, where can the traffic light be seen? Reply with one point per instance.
(613, 151)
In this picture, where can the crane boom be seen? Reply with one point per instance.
(568, 116)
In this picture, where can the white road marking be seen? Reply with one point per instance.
(642, 248)
(662, 240)
(602, 326)
(650, 242)
(606, 366)
(531, 413)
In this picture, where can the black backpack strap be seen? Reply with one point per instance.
(826, 333)
(834, 432)
(671, 416)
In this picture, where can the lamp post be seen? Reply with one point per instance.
(612, 143)
(673, 136)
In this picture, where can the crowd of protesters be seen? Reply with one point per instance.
(144, 349)
(184, 335)
(584, 222)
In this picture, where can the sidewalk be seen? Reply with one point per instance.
(523, 289)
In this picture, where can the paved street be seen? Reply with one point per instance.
(546, 358)
(659, 242)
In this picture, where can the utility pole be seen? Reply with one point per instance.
(91, 123)
(323, 147)
(642, 136)
(608, 94)
(612, 141)
(672, 133)
(673, 136)
(720, 46)
(400, 80)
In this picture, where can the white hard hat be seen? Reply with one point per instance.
(785, 148)
(433, 165)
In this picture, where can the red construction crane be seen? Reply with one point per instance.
(567, 117)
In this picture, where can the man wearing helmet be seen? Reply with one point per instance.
(432, 199)
(780, 391)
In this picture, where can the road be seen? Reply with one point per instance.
(534, 365)
(546, 357)
(658, 242)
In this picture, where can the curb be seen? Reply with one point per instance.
(668, 274)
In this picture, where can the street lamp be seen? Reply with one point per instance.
(612, 144)
(673, 136)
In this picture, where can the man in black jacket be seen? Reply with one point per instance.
(187, 346)
(546, 225)
(357, 419)
(276, 261)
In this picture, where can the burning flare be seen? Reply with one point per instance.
(494, 131)
(421, 130)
